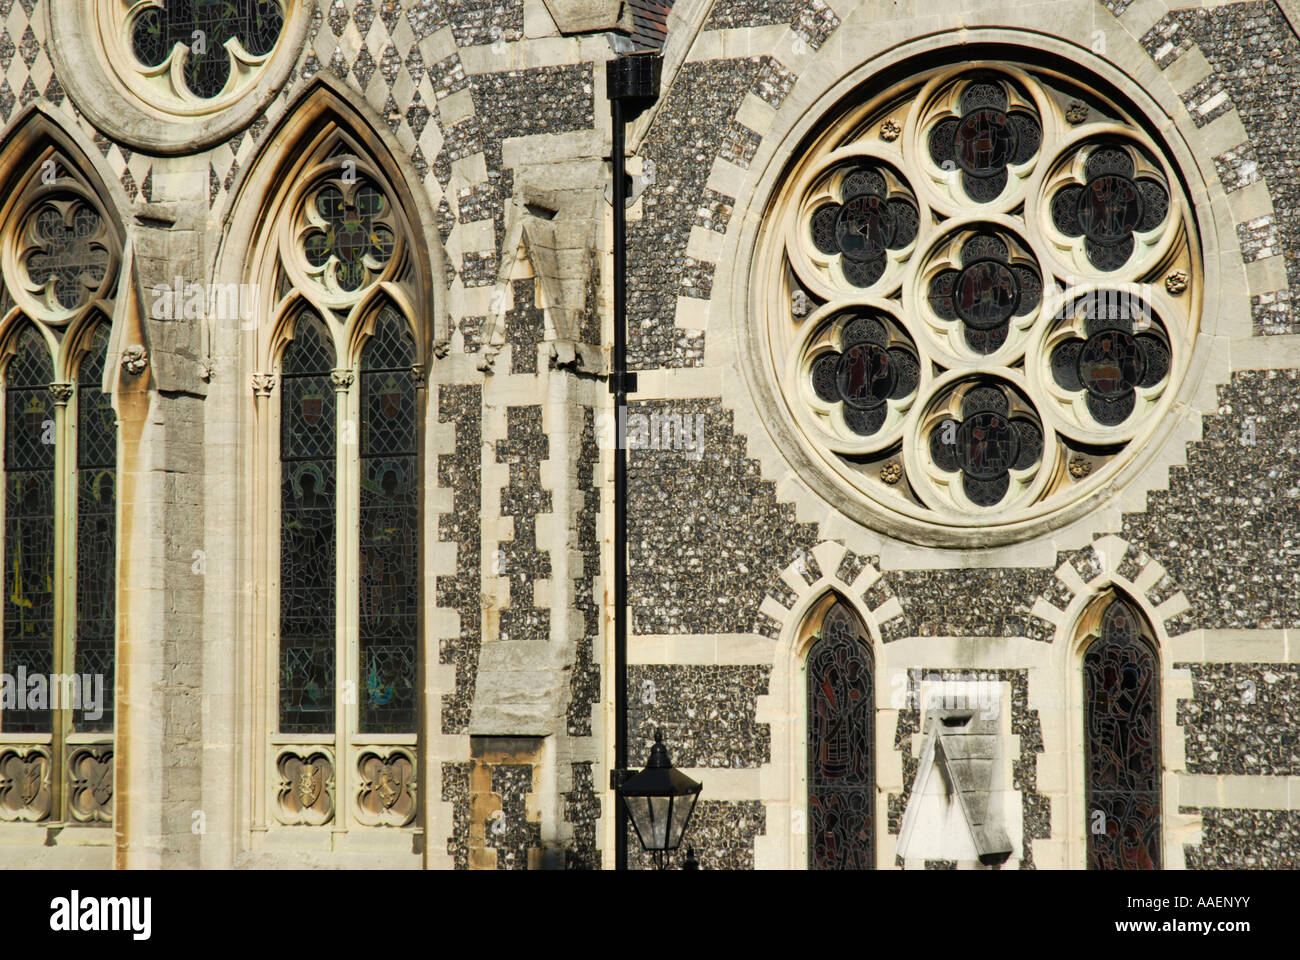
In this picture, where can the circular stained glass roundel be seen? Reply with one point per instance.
(979, 341)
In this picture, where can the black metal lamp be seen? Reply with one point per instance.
(660, 800)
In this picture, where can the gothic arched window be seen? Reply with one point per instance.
(308, 502)
(841, 741)
(389, 535)
(29, 527)
(96, 529)
(346, 383)
(1121, 677)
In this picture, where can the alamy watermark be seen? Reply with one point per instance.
(196, 301)
(53, 691)
(656, 431)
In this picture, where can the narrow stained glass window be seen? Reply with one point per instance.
(389, 538)
(29, 525)
(1122, 703)
(96, 531)
(308, 498)
(841, 762)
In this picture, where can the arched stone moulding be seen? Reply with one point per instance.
(149, 110)
(327, 133)
(1161, 115)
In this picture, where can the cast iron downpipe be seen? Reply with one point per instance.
(632, 84)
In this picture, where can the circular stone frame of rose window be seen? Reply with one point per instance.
(95, 70)
(846, 115)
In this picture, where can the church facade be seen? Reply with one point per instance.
(963, 452)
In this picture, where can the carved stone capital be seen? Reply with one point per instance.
(263, 384)
(342, 378)
(417, 374)
(62, 393)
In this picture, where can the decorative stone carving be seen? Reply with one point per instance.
(891, 472)
(62, 393)
(387, 791)
(263, 384)
(1080, 467)
(342, 379)
(891, 130)
(135, 359)
(1076, 112)
(441, 348)
(24, 783)
(90, 773)
(306, 791)
(1176, 282)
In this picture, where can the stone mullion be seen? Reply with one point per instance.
(266, 647)
(347, 502)
(65, 532)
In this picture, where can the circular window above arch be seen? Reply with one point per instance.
(179, 75)
(977, 291)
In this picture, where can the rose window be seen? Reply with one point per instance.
(198, 45)
(979, 298)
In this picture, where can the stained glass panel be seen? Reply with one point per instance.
(841, 761)
(389, 571)
(96, 530)
(204, 27)
(308, 500)
(1122, 703)
(29, 524)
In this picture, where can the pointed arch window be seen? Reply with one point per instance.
(841, 745)
(308, 541)
(389, 536)
(60, 582)
(58, 632)
(30, 437)
(340, 406)
(1121, 677)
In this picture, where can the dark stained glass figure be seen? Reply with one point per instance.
(985, 139)
(69, 252)
(1110, 207)
(29, 524)
(841, 742)
(870, 369)
(202, 31)
(867, 224)
(986, 292)
(96, 530)
(308, 501)
(353, 235)
(986, 444)
(1113, 360)
(1122, 702)
(389, 529)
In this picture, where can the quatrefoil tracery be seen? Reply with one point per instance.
(199, 45)
(349, 237)
(65, 251)
(932, 269)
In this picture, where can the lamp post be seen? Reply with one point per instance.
(632, 84)
(660, 800)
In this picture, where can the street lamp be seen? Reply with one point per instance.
(660, 800)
